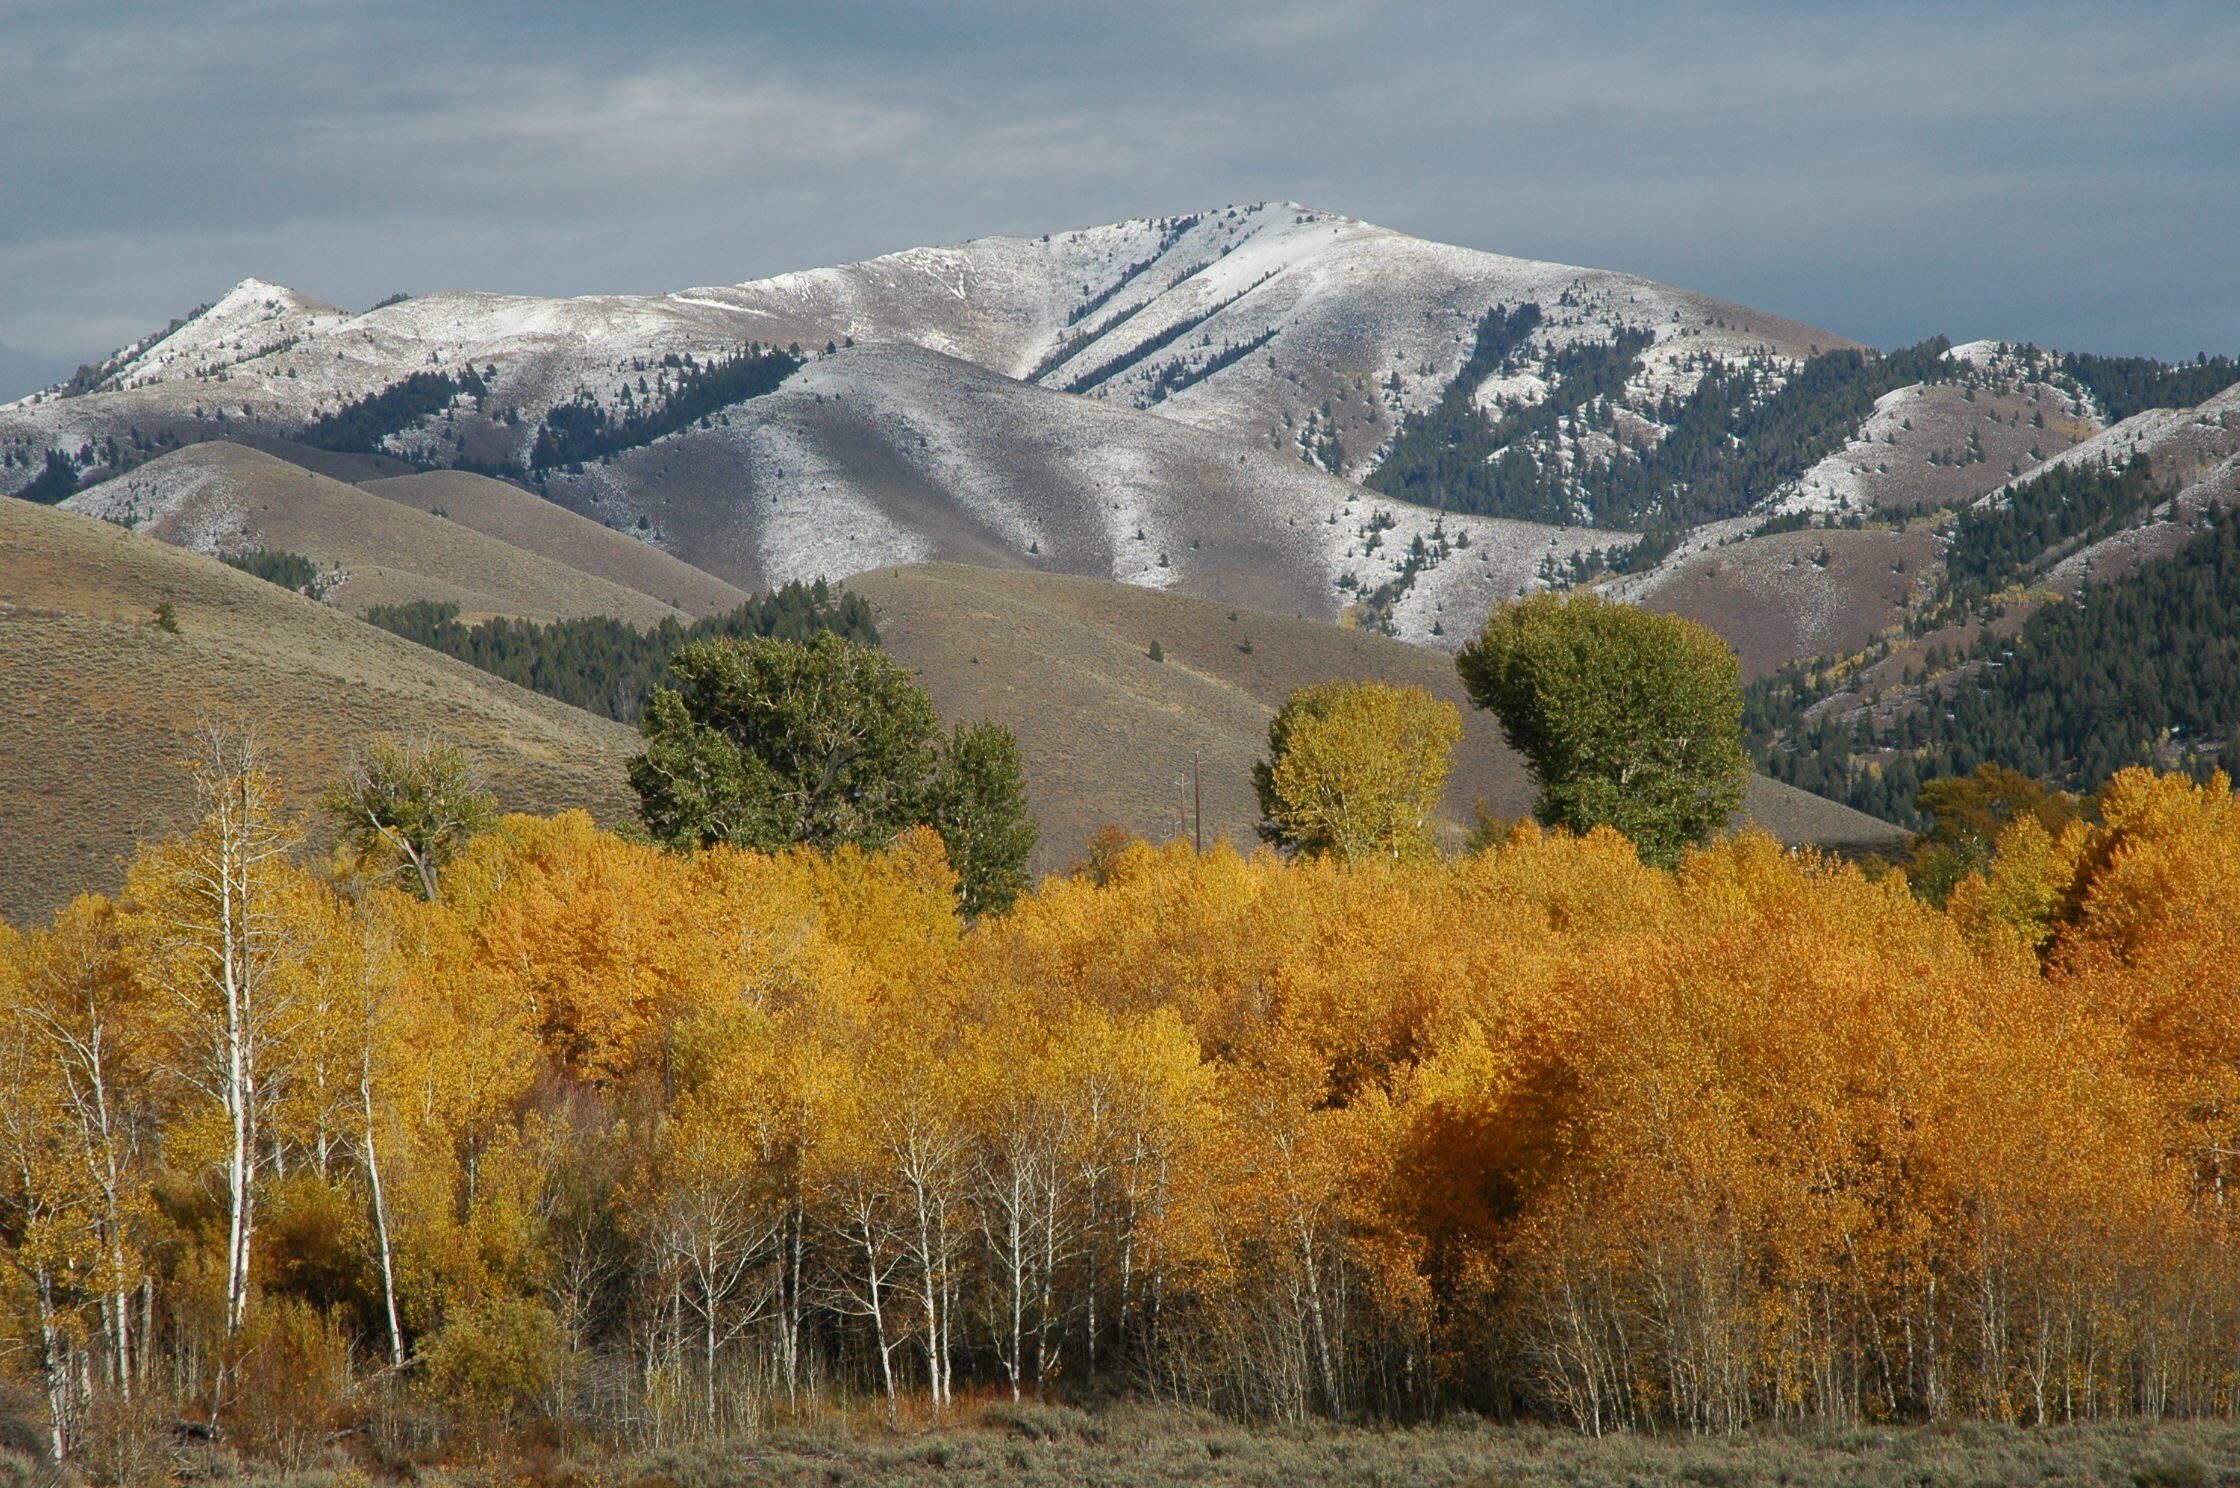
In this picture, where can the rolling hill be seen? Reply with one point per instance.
(1109, 735)
(222, 499)
(527, 521)
(101, 701)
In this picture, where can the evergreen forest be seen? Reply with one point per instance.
(684, 391)
(609, 667)
(1744, 431)
(2131, 385)
(364, 425)
(2143, 668)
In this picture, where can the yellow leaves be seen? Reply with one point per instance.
(2163, 866)
(1757, 1120)
(599, 942)
(2013, 912)
(1357, 768)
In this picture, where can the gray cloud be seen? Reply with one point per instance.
(2056, 172)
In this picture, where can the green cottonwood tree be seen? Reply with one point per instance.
(981, 812)
(1626, 719)
(771, 743)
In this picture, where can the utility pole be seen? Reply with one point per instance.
(1197, 807)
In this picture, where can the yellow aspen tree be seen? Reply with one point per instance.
(50, 1214)
(1141, 1097)
(858, 1200)
(215, 917)
(715, 1209)
(1355, 770)
(595, 936)
(78, 1002)
(1024, 1129)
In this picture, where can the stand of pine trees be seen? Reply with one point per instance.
(606, 666)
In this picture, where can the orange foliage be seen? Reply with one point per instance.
(1752, 1140)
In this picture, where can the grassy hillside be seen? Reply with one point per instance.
(535, 525)
(100, 701)
(1109, 734)
(1791, 594)
(223, 498)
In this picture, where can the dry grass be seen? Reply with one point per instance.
(100, 702)
(388, 552)
(1109, 734)
(535, 525)
(1143, 1447)
(1792, 594)
(352, 466)
(1046, 1449)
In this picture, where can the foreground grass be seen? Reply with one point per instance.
(1052, 1448)
(1143, 1447)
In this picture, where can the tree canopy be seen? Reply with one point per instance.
(1354, 770)
(1625, 718)
(611, 1141)
(407, 808)
(770, 743)
(609, 666)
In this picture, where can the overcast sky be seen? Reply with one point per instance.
(2062, 173)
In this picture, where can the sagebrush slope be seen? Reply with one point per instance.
(222, 499)
(101, 702)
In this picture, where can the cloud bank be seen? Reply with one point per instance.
(2063, 173)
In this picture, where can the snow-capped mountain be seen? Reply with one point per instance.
(1271, 323)
(1187, 402)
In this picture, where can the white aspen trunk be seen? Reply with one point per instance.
(240, 1072)
(54, 1370)
(789, 1327)
(877, 1308)
(119, 1306)
(381, 1221)
(929, 1288)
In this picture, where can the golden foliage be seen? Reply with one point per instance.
(1753, 1139)
(1356, 769)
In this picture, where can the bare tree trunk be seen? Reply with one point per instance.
(380, 1218)
(54, 1369)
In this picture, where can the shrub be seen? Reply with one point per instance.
(501, 1359)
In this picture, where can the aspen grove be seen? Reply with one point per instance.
(672, 1146)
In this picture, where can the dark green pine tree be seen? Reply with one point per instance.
(57, 483)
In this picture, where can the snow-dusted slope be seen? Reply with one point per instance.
(1251, 321)
(1348, 326)
(885, 454)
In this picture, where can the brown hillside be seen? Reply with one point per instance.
(223, 498)
(1792, 594)
(1109, 734)
(352, 466)
(100, 703)
(535, 525)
